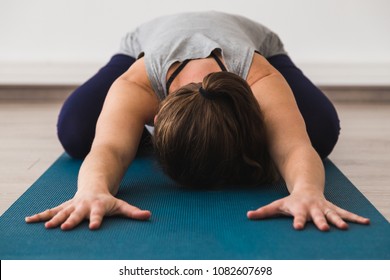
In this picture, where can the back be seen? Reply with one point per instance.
(173, 38)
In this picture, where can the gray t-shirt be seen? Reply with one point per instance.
(179, 37)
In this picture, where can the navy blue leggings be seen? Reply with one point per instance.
(79, 114)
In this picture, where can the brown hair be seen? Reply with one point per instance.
(218, 139)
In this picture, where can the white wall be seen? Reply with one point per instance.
(334, 41)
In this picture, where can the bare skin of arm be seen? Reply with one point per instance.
(291, 150)
(130, 104)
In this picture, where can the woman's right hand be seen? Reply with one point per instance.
(87, 206)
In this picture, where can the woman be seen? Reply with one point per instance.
(229, 107)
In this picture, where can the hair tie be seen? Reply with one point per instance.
(206, 94)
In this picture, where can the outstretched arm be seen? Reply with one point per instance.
(296, 159)
(129, 105)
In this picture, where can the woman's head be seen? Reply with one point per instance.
(213, 133)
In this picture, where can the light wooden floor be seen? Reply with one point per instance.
(28, 146)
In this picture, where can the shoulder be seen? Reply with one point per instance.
(137, 74)
(136, 85)
(259, 69)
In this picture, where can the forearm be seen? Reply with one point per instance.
(102, 171)
(303, 170)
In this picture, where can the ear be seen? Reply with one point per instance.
(155, 119)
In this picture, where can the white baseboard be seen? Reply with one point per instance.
(353, 74)
(322, 74)
(46, 73)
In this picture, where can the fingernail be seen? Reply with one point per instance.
(326, 228)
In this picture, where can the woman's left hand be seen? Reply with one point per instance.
(308, 206)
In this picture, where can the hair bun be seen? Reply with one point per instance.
(206, 94)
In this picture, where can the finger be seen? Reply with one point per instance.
(131, 211)
(59, 218)
(75, 218)
(270, 210)
(44, 216)
(96, 217)
(334, 218)
(319, 219)
(300, 219)
(351, 217)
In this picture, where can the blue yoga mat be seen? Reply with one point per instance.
(188, 224)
